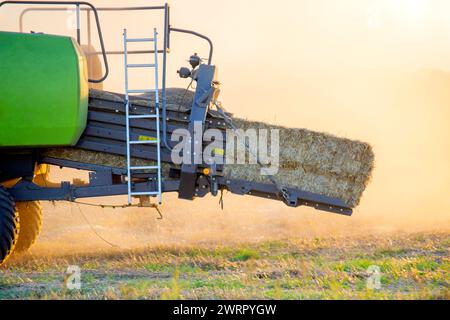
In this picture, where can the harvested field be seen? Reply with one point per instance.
(253, 249)
(291, 269)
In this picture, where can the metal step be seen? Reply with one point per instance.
(141, 65)
(141, 91)
(145, 168)
(144, 142)
(143, 116)
(149, 193)
(140, 40)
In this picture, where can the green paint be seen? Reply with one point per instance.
(43, 90)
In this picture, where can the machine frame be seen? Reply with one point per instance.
(110, 181)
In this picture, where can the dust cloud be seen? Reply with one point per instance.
(374, 70)
(76, 228)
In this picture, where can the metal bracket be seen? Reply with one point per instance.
(291, 198)
(100, 178)
(203, 95)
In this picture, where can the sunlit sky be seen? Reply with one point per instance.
(375, 70)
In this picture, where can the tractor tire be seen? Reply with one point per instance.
(9, 225)
(30, 215)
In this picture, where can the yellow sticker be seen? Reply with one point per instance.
(219, 152)
(146, 138)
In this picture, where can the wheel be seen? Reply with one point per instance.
(9, 225)
(30, 215)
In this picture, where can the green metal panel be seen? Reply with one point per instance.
(43, 90)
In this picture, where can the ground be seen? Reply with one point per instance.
(412, 266)
(252, 249)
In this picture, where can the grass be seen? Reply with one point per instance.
(245, 254)
(412, 266)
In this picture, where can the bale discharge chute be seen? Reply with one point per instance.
(126, 140)
(311, 161)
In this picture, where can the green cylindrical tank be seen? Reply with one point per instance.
(43, 90)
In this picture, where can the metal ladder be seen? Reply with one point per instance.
(131, 169)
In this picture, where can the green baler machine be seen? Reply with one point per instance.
(44, 91)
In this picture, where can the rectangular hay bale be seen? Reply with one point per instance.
(312, 161)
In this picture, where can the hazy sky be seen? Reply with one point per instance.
(375, 70)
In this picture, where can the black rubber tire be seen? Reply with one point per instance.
(30, 216)
(9, 225)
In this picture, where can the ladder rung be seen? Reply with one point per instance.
(141, 65)
(141, 91)
(153, 193)
(145, 168)
(140, 40)
(143, 116)
(145, 142)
